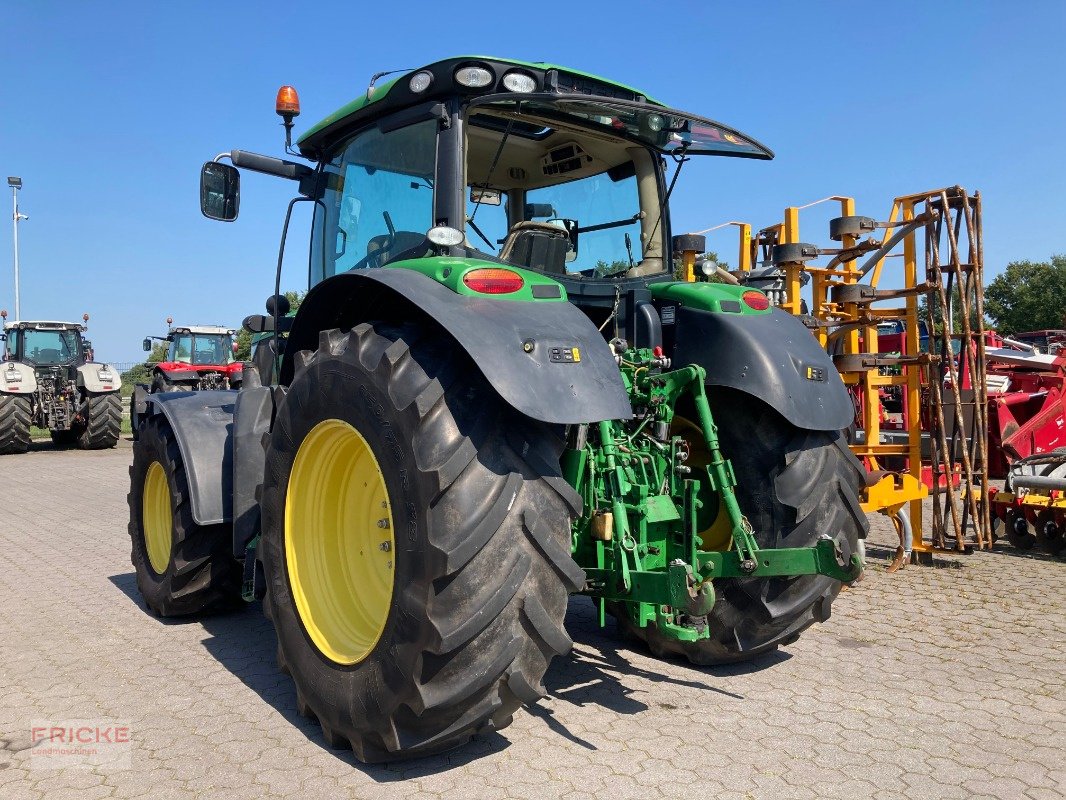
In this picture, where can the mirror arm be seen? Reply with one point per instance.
(269, 165)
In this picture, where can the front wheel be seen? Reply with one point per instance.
(182, 568)
(793, 485)
(415, 544)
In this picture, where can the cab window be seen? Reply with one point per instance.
(378, 202)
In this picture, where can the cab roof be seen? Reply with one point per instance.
(44, 325)
(203, 329)
(395, 93)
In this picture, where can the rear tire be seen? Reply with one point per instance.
(14, 424)
(793, 485)
(481, 520)
(197, 572)
(103, 423)
(161, 384)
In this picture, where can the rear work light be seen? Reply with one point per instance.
(756, 300)
(493, 281)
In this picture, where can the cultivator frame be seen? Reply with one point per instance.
(941, 227)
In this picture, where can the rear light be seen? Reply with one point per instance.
(756, 300)
(493, 281)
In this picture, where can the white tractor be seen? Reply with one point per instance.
(48, 379)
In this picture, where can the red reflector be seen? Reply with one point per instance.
(493, 281)
(756, 300)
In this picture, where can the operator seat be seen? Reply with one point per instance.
(537, 245)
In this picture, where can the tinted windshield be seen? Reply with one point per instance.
(47, 348)
(202, 349)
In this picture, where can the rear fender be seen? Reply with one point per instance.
(253, 416)
(89, 378)
(203, 427)
(772, 357)
(511, 342)
(27, 379)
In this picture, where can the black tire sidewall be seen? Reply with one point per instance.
(340, 388)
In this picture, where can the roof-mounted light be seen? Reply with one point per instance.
(420, 81)
(288, 102)
(288, 108)
(519, 82)
(473, 77)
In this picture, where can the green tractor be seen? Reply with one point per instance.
(493, 396)
(50, 380)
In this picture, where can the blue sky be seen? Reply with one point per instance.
(109, 109)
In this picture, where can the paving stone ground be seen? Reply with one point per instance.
(935, 682)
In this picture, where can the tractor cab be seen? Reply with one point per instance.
(201, 346)
(513, 167)
(45, 344)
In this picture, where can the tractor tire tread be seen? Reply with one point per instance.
(490, 588)
(14, 424)
(103, 424)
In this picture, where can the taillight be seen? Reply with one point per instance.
(493, 281)
(756, 300)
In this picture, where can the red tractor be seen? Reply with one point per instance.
(198, 357)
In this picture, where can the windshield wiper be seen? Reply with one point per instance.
(618, 223)
(492, 169)
(477, 230)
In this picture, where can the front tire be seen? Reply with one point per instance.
(457, 631)
(182, 568)
(14, 424)
(793, 485)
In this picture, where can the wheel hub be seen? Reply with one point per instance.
(157, 518)
(339, 544)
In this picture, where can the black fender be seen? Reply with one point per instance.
(203, 426)
(496, 334)
(770, 356)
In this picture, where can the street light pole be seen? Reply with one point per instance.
(16, 183)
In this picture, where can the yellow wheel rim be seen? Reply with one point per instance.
(716, 533)
(157, 518)
(339, 543)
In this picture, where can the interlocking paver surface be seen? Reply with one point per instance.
(942, 682)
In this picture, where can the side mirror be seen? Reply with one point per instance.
(236, 347)
(147, 345)
(220, 191)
